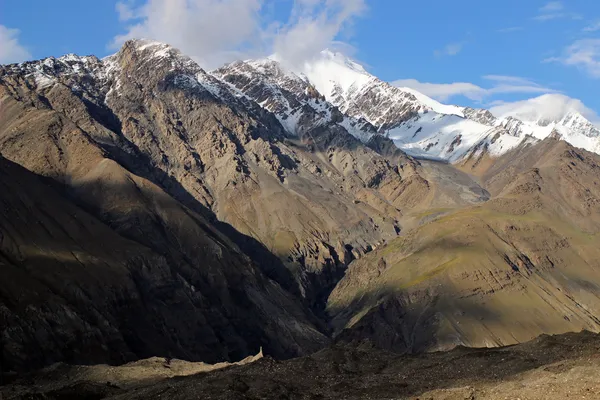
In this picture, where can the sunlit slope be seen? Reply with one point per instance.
(526, 262)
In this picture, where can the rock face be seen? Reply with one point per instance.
(122, 261)
(294, 194)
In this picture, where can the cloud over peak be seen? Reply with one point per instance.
(313, 26)
(11, 50)
(196, 27)
(548, 106)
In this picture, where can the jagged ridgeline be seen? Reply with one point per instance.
(151, 208)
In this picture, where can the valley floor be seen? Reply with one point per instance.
(550, 367)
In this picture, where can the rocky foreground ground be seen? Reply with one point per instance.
(550, 367)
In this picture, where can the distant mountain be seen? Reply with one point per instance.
(547, 114)
(424, 127)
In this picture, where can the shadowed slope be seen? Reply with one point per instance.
(160, 282)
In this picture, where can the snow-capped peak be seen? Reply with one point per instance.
(542, 115)
(426, 127)
(48, 71)
(342, 60)
(336, 76)
(546, 109)
(347, 85)
(575, 121)
(290, 96)
(435, 105)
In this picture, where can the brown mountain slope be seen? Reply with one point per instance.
(77, 290)
(161, 154)
(316, 201)
(522, 264)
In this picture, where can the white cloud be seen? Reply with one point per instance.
(593, 27)
(125, 11)
(495, 103)
(10, 49)
(443, 91)
(548, 106)
(554, 10)
(207, 30)
(313, 26)
(500, 85)
(451, 49)
(217, 31)
(583, 54)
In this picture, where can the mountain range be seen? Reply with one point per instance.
(422, 126)
(152, 208)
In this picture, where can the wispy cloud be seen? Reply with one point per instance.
(551, 10)
(583, 54)
(554, 10)
(450, 49)
(508, 79)
(443, 91)
(500, 84)
(11, 50)
(313, 26)
(552, 6)
(592, 27)
(510, 29)
(197, 27)
(548, 17)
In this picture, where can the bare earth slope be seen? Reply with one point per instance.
(316, 201)
(522, 264)
(252, 227)
(159, 281)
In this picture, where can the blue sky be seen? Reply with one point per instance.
(470, 52)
